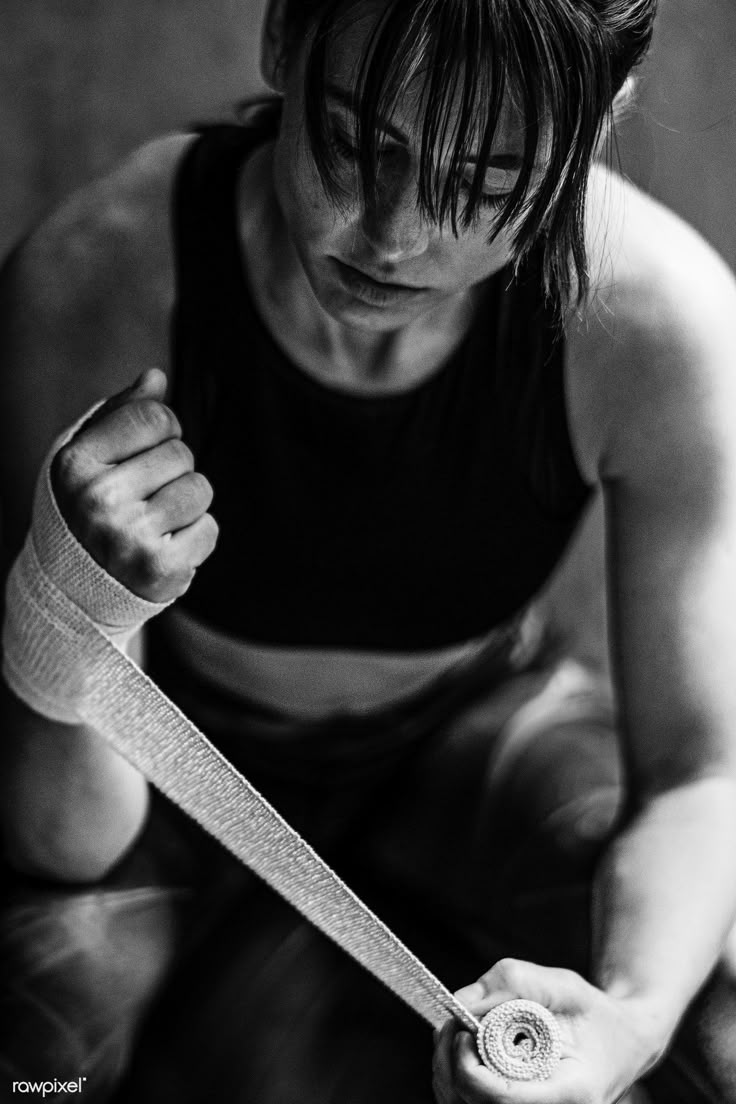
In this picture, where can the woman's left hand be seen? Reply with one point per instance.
(607, 1042)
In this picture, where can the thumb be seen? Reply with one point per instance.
(151, 384)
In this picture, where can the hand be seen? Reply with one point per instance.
(605, 1041)
(127, 489)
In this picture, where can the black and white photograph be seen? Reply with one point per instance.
(368, 529)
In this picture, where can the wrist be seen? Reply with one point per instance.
(59, 600)
(652, 1021)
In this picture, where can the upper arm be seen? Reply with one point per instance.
(84, 304)
(665, 414)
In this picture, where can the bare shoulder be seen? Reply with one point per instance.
(101, 261)
(84, 305)
(652, 354)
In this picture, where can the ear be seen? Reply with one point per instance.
(273, 42)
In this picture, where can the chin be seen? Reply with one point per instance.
(368, 318)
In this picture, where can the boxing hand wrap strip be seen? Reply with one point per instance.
(65, 616)
(53, 579)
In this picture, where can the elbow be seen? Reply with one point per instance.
(66, 865)
(69, 853)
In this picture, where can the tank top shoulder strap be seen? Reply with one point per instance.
(531, 390)
(204, 194)
(206, 256)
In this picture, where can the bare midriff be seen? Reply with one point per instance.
(307, 682)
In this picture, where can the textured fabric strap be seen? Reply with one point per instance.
(123, 704)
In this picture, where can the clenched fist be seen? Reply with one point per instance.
(127, 489)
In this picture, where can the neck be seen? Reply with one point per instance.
(339, 354)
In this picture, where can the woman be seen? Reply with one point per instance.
(412, 329)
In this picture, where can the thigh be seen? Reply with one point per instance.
(445, 854)
(272, 1011)
(493, 845)
(78, 970)
(495, 834)
(79, 966)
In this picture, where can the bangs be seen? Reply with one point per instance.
(467, 62)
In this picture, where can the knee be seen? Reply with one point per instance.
(580, 828)
(554, 788)
(78, 971)
(556, 777)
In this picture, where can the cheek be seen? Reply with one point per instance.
(311, 217)
(472, 257)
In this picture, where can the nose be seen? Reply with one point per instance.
(392, 223)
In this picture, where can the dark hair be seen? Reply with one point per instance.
(560, 60)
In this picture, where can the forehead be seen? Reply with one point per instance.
(349, 47)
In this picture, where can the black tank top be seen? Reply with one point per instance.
(408, 521)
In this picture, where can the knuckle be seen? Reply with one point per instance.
(212, 533)
(202, 490)
(67, 467)
(99, 498)
(153, 575)
(510, 972)
(155, 417)
(152, 562)
(113, 545)
(203, 542)
(150, 566)
(179, 454)
(188, 495)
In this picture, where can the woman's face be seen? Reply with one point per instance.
(379, 268)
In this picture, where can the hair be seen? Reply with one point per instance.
(562, 63)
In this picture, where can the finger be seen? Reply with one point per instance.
(126, 423)
(167, 566)
(443, 1077)
(504, 981)
(180, 503)
(472, 994)
(478, 1084)
(135, 426)
(143, 475)
(479, 1000)
(191, 545)
(150, 384)
(475, 1084)
(557, 989)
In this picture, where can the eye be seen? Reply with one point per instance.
(343, 144)
(493, 201)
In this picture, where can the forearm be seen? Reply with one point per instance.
(665, 900)
(70, 805)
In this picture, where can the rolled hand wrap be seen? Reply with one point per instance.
(53, 578)
(520, 1040)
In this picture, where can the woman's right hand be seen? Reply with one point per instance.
(127, 489)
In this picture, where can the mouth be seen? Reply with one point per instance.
(373, 288)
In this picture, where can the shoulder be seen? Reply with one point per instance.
(105, 253)
(84, 304)
(651, 355)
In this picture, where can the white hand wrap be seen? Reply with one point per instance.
(52, 580)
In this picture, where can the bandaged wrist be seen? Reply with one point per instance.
(44, 661)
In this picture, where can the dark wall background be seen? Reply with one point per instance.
(83, 81)
(681, 143)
